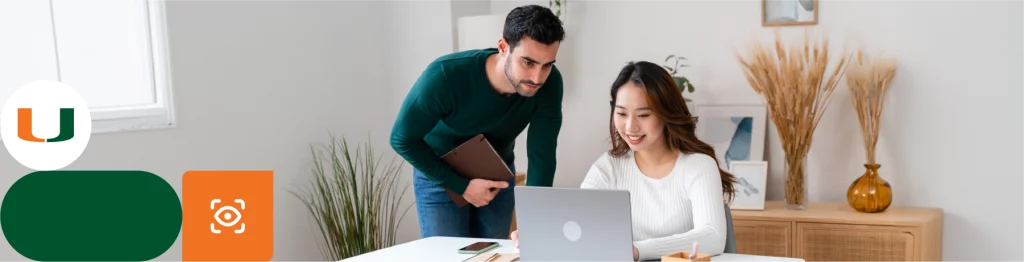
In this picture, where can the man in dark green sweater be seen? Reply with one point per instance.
(496, 92)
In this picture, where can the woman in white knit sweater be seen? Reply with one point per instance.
(677, 189)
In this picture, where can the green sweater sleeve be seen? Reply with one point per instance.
(542, 138)
(427, 103)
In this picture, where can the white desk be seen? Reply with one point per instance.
(445, 249)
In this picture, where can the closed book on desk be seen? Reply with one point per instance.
(473, 159)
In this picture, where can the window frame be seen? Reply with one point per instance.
(161, 113)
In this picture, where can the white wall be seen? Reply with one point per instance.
(417, 33)
(463, 8)
(951, 135)
(255, 82)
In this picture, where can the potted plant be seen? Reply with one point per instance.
(673, 64)
(868, 77)
(558, 6)
(354, 200)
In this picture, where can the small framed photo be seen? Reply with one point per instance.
(751, 180)
(735, 131)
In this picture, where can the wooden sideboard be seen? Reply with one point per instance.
(835, 232)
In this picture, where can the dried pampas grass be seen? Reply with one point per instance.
(792, 80)
(868, 79)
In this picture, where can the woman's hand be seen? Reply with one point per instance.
(636, 254)
(515, 240)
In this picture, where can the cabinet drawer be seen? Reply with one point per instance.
(765, 238)
(843, 242)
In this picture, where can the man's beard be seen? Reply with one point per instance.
(518, 86)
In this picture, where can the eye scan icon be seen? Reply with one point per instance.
(227, 213)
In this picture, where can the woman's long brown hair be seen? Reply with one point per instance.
(664, 98)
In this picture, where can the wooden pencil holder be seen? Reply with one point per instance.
(685, 256)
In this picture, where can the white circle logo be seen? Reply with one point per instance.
(572, 231)
(45, 125)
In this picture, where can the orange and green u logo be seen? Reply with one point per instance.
(67, 126)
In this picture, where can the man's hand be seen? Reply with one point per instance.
(479, 191)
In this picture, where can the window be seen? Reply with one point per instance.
(114, 52)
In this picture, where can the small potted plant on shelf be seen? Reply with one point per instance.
(673, 63)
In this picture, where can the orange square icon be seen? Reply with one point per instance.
(227, 215)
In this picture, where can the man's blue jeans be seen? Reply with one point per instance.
(439, 216)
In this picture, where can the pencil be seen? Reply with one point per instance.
(492, 257)
(693, 253)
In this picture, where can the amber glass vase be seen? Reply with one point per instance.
(870, 193)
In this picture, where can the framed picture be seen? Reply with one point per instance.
(789, 12)
(736, 132)
(751, 180)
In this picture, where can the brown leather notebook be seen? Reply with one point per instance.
(476, 158)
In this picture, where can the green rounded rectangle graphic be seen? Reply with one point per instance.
(91, 216)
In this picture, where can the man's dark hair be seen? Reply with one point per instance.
(533, 21)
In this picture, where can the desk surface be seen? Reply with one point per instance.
(444, 249)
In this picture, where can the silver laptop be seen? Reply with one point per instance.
(572, 224)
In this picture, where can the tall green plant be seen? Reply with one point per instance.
(354, 200)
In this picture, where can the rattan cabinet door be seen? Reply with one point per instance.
(847, 242)
(765, 238)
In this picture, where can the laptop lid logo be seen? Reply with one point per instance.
(572, 231)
